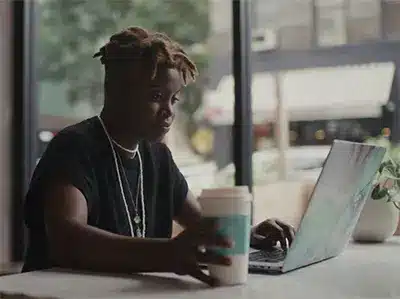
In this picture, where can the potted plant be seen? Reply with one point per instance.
(380, 216)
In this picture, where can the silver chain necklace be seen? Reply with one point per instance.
(129, 151)
(137, 218)
(135, 201)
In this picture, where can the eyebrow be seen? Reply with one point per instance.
(157, 86)
(179, 90)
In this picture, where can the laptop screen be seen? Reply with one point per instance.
(343, 187)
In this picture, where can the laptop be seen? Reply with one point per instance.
(326, 228)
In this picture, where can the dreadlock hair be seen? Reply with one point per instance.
(154, 49)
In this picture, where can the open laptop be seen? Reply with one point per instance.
(326, 228)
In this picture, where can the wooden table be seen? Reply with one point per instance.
(362, 271)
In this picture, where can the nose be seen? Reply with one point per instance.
(167, 110)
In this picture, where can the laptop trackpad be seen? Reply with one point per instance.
(274, 255)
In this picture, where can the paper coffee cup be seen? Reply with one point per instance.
(231, 207)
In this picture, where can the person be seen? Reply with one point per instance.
(106, 191)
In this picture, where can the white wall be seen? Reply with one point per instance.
(5, 131)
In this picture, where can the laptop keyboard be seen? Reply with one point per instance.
(273, 255)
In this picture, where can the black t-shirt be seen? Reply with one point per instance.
(81, 155)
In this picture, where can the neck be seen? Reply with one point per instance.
(118, 132)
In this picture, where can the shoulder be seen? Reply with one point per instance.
(158, 150)
(77, 136)
(160, 156)
(74, 145)
(67, 159)
(69, 155)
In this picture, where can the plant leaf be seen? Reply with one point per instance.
(379, 193)
(375, 192)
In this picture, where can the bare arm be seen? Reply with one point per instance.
(75, 244)
(190, 213)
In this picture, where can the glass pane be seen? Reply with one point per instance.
(265, 13)
(298, 113)
(290, 20)
(71, 82)
(391, 19)
(340, 22)
(364, 21)
(330, 24)
(6, 217)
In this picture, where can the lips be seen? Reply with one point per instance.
(165, 126)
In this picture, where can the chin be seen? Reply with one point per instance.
(156, 137)
(157, 134)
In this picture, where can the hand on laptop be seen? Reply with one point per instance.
(269, 233)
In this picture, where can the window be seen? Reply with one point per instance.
(391, 19)
(364, 21)
(330, 23)
(292, 20)
(220, 16)
(265, 13)
(71, 81)
(293, 138)
(6, 136)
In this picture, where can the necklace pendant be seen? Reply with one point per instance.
(137, 219)
(138, 233)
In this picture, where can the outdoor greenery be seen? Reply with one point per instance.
(71, 31)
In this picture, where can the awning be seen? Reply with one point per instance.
(352, 91)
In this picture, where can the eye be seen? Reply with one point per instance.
(156, 96)
(175, 100)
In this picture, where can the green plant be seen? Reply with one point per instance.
(387, 181)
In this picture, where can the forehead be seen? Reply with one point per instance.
(169, 79)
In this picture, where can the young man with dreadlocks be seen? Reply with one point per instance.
(105, 192)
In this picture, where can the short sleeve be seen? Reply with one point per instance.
(67, 160)
(180, 186)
